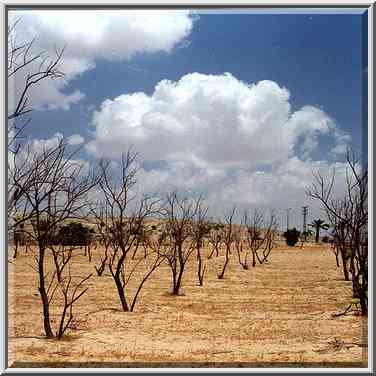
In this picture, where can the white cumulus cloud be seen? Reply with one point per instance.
(233, 141)
(89, 35)
(209, 120)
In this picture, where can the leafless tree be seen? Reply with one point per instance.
(260, 235)
(127, 215)
(241, 251)
(46, 188)
(349, 217)
(56, 192)
(199, 231)
(270, 233)
(179, 214)
(227, 236)
(336, 252)
(214, 238)
(253, 227)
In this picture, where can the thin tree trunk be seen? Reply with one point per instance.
(121, 293)
(15, 249)
(177, 283)
(43, 295)
(344, 266)
(337, 260)
(200, 270)
(220, 276)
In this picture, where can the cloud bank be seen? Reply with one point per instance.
(214, 134)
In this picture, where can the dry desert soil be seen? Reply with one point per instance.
(273, 315)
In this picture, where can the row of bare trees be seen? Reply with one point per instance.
(55, 188)
(121, 219)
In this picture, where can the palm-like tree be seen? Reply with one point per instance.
(318, 225)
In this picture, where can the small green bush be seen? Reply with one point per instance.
(292, 236)
(74, 233)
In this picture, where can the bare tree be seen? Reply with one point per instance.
(46, 188)
(260, 235)
(127, 215)
(241, 251)
(270, 233)
(180, 214)
(56, 192)
(254, 239)
(199, 231)
(227, 236)
(214, 238)
(349, 217)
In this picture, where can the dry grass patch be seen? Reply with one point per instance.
(277, 312)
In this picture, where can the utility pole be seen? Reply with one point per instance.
(287, 219)
(305, 213)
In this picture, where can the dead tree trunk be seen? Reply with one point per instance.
(43, 293)
(222, 273)
(201, 268)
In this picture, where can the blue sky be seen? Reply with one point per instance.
(316, 57)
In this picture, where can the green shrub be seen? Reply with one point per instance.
(292, 236)
(74, 234)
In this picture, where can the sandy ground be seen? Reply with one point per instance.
(274, 314)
